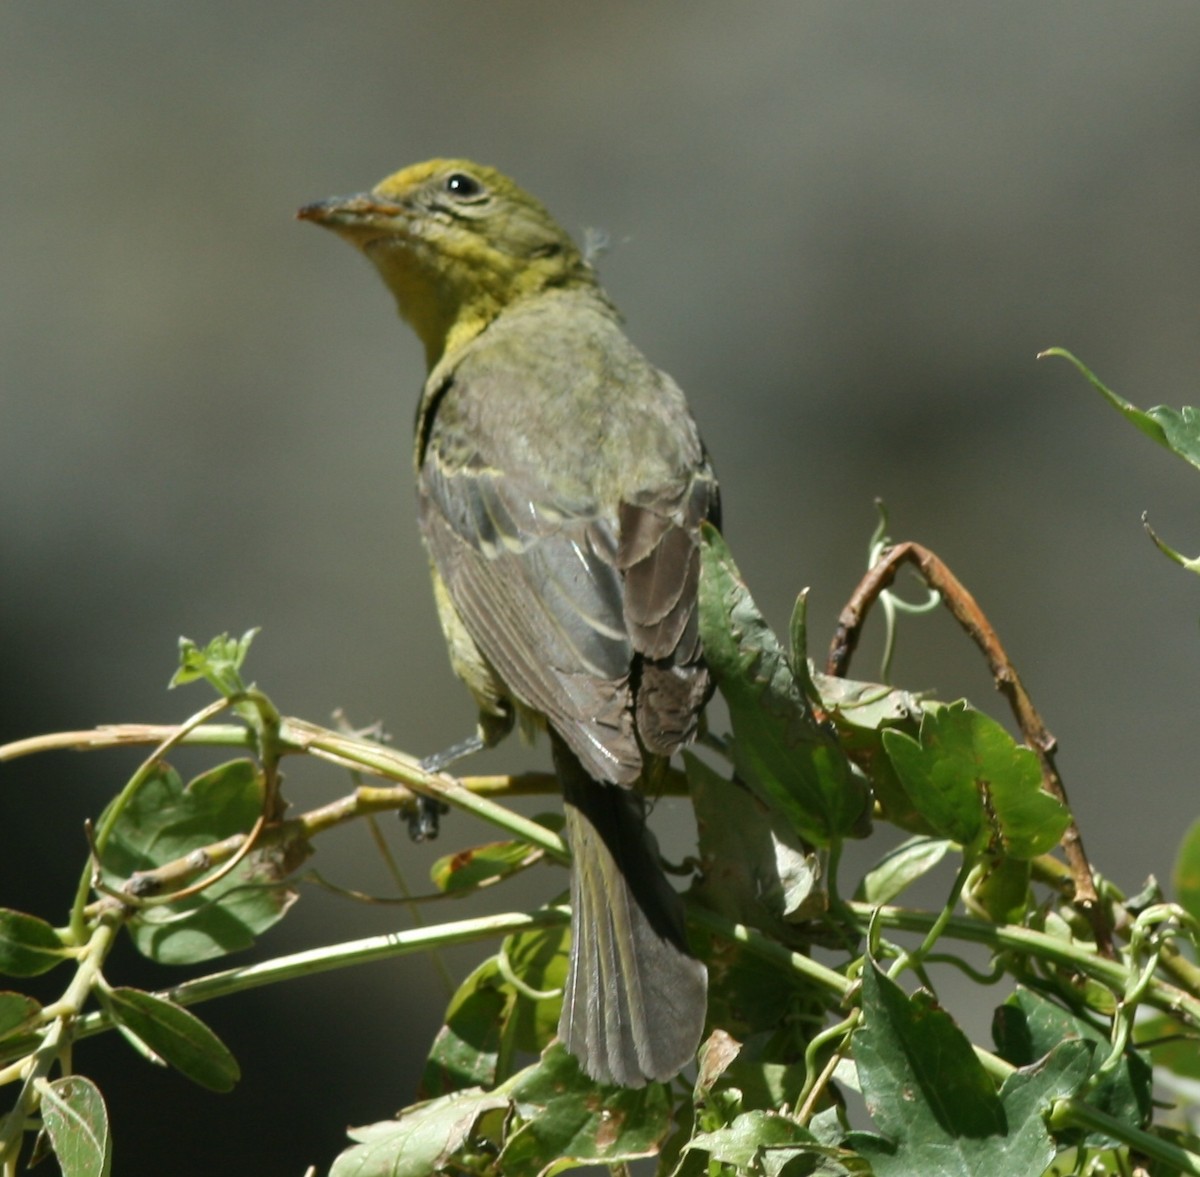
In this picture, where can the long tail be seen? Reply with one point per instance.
(635, 999)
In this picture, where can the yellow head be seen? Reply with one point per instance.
(456, 243)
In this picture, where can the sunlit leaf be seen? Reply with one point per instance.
(177, 1036)
(77, 1124)
(28, 946)
(481, 866)
(975, 785)
(220, 662)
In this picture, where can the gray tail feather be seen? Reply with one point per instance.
(635, 998)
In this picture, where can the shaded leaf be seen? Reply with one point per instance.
(791, 761)
(1028, 1026)
(165, 821)
(999, 888)
(77, 1124)
(910, 1052)
(466, 1051)
(28, 946)
(538, 958)
(930, 1095)
(510, 1003)
(177, 1036)
(754, 870)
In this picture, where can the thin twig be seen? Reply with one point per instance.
(966, 611)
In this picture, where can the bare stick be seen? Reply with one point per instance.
(967, 613)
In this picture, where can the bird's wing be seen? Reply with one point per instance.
(659, 557)
(540, 594)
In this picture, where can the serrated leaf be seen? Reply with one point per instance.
(177, 1036)
(18, 1013)
(571, 1121)
(1028, 1026)
(780, 750)
(77, 1124)
(219, 662)
(420, 1141)
(166, 821)
(929, 1094)
(975, 785)
(900, 868)
(474, 867)
(28, 946)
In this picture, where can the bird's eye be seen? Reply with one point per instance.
(464, 187)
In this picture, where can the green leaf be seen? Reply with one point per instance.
(481, 866)
(930, 1095)
(909, 1051)
(1028, 1026)
(900, 868)
(176, 1036)
(975, 785)
(18, 1013)
(77, 1124)
(420, 1141)
(791, 761)
(1177, 430)
(1186, 872)
(165, 821)
(220, 662)
(743, 1143)
(571, 1121)
(754, 870)
(28, 946)
(1028, 1094)
(538, 960)
(1171, 1045)
(510, 1003)
(466, 1051)
(861, 712)
(998, 888)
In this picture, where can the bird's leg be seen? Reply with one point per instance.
(424, 817)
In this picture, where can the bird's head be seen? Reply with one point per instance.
(456, 242)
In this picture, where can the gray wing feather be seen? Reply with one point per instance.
(587, 614)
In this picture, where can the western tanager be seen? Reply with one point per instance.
(561, 485)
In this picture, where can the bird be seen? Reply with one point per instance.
(561, 489)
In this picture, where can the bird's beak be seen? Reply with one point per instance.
(360, 218)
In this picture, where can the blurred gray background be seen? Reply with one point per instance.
(846, 229)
